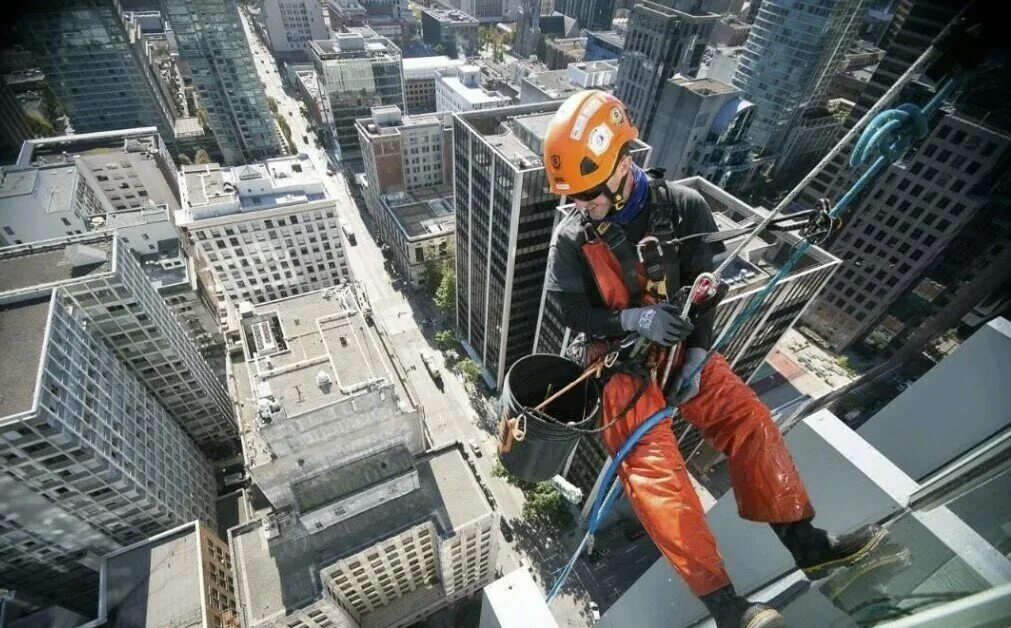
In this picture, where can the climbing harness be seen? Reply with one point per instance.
(885, 135)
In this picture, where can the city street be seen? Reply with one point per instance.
(449, 414)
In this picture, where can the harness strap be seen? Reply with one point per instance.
(662, 250)
(617, 241)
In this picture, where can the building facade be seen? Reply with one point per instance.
(418, 228)
(908, 218)
(292, 24)
(103, 280)
(357, 71)
(93, 460)
(462, 90)
(419, 81)
(213, 44)
(704, 132)
(662, 40)
(266, 230)
(84, 51)
(404, 153)
(454, 31)
(602, 45)
(790, 59)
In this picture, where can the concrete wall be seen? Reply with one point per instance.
(958, 404)
(515, 601)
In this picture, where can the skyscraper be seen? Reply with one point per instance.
(663, 39)
(909, 217)
(292, 25)
(504, 219)
(92, 459)
(103, 282)
(213, 44)
(357, 71)
(790, 59)
(84, 51)
(704, 131)
(592, 15)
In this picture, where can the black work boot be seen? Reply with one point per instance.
(733, 611)
(818, 553)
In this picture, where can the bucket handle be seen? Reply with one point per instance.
(509, 431)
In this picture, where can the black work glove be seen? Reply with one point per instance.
(660, 323)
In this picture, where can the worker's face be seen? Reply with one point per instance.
(599, 206)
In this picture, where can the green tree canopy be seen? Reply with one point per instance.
(445, 340)
(201, 157)
(445, 294)
(51, 107)
(469, 369)
(183, 159)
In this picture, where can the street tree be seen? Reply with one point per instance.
(469, 369)
(445, 340)
(445, 294)
(184, 159)
(51, 107)
(201, 157)
(545, 506)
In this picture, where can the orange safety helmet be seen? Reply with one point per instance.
(585, 140)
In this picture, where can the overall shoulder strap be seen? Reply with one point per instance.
(664, 216)
(617, 241)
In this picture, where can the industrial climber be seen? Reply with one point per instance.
(613, 264)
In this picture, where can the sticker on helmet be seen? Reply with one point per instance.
(561, 186)
(556, 162)
(600, 139)
(616, 115)
(590, 108)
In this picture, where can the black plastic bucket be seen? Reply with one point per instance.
(546, 443)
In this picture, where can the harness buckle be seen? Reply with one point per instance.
(648, 241)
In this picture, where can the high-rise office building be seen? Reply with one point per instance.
(663, 39)
(292, 24)
(704, 132)
(462, 89)
(790, 59)
(266, 230)
(908, 218)
(392, 19)
(104, 282)
(747, 274)
(213, 44)
(357, 71)
(592, 15)
(404, 153)
(14, 128)
(915, 25)
(454, 31)
(122, 181)
(92, 459)
(419, 81)
(84, 51)
(504, 219)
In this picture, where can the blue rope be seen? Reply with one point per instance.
(889, 135)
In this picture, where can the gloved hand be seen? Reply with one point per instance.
(660, 323)
(684, 387)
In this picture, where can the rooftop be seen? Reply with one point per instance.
(609, 37)
(555, 83)
(424, 67)
(424, 212)
(53, 262)
(62, 149)
(469, 89)
(157, 581)
(283, 574)
(354, 45)
(388, 120)
(308, 352)
(210, 190)
(451, 16)
(22, 333)
(48, 189)
(705, 86)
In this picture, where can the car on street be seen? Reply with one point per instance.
(507, 531)
(594, 611)
(475, 447)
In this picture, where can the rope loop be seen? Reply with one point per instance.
(889, 134)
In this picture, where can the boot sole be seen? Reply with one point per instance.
(769, 618)
(838, 589)
(817, 572)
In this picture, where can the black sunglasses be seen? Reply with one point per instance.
(589, 195)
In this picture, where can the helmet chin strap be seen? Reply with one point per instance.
(617, 198)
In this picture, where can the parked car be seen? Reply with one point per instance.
(507, 531)
(594, 611)
(475, 447)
